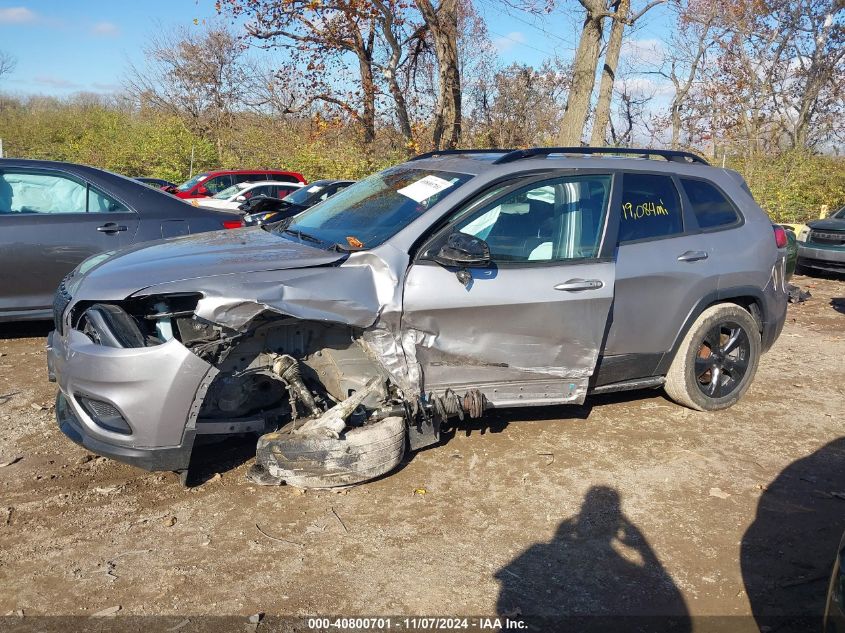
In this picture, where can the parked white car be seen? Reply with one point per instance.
(232, 197)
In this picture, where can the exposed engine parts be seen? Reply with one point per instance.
(299, 383)
(287, 368)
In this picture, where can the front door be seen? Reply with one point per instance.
(49, 222)
(527, 329)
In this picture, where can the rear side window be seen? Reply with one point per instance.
(239, 178)
(98, 202)
(650, 209)
(710, 206)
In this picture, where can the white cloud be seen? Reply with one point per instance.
(504, 43)
(16, 15)
(646, 87)
(105, 86)
(54, 82)
(105, 29)
(648, 51)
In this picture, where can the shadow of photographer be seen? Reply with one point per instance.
(598, 573)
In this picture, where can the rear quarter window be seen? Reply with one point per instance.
(651, 208)
(710, 206)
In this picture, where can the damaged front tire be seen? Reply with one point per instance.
(310, 461)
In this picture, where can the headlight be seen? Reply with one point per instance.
(803, 234)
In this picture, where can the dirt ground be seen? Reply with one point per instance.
(629, 504)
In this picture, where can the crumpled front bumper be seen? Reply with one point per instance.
(153, 388)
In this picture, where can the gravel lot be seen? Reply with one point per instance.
(627, 505)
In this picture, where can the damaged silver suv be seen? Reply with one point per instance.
(436, 289)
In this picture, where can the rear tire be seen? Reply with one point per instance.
(717, 359)
(361, 454)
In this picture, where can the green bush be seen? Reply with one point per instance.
(793, 186)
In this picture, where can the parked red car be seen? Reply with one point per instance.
(213, 182)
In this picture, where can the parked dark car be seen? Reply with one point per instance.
(53, 215)
(161, 183)
(211, 183)
(822, 248)
(264, 210)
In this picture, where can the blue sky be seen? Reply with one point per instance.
(67, 46)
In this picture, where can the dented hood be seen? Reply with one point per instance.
(205, 255)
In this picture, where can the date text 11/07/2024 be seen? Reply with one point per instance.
(418, 624)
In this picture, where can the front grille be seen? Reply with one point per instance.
(60, 303)
(828, 238)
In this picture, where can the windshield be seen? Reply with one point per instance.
(189, 184)
(367, 213)
(228, 192)
(840, 215)
(302, 195)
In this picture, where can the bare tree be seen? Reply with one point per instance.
(521, 106)
(442, 23)
(631, 113)
(196, 75)
(583, 72)
(7, 63)
(622, 16)
(697, 30)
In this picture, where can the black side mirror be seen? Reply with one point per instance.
(463, 250)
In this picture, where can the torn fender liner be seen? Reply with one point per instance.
(315, 461)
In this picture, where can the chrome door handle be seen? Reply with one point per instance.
(580, 284)
(692, 256)
(111, 227)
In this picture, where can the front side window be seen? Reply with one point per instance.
(218, 184)
(710, 206)
(228, 192)
(650, 209)
(22, 192)
(554, 220)
(373, 210)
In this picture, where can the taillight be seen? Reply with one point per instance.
(232, 224)
(780, 236)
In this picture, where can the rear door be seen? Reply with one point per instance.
(49, 222)
(527, 329)
(664, 268)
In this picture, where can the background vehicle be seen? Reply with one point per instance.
(455, 282)
(53, 215)
(211, 183)
(232, 198)
(834, 612)
(263, 211)
(160, 183)
(822, 246)
(791, 248)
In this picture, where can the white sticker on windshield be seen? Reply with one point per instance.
(423, 189)
(315, 189)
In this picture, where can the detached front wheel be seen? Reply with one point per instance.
(316, 461)
(717, 359)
